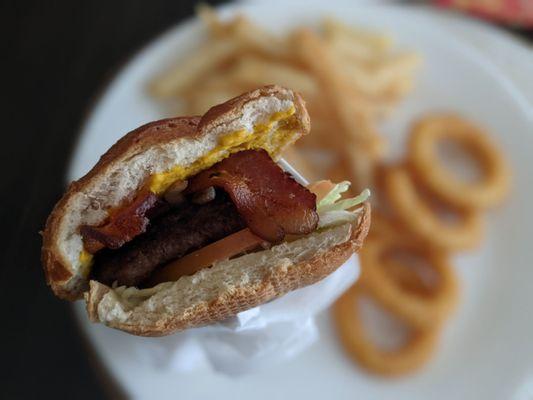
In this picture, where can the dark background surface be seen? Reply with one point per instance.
(56, 58)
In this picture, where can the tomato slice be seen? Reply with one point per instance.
(321, 188)
(223, 249)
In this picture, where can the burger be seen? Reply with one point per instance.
(188, 221)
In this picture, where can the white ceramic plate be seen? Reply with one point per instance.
(486, 351)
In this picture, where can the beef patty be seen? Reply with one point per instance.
(168, 237)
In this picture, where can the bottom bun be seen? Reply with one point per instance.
(228, 287)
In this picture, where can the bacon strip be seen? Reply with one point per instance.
(271, 202)
(123, 225)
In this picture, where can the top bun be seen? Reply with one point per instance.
(252, 120)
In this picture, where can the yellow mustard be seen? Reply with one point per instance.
(228, 144)
(86, 260)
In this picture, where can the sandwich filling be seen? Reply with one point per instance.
(168, 237)
(246, 190)
(243, 203)
(232, 200)
(131, 217)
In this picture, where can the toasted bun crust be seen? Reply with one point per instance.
(59, 273)
(245, 282)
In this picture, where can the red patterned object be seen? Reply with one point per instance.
(513, 12)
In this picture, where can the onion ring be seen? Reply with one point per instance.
(415, 309)
(382, 225)
(414, 213)
(488, 191)
(411, 356)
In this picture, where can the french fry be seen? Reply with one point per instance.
(360, 44)
(224, 80)
(375, 106)
(350, 78)
(256, 39)
(396, 66)
(214, 89)
(199, 104)
(398, 63)
(296, 159)
(400, 88)
(378, 77)
(255, 71)
(211, 21)
(207, 57)
(350, 51)
(361, 141)
(321, 137)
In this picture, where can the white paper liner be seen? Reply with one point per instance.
(256, 338)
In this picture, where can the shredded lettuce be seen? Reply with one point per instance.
(334, 194)
(332, 218)
(333, 211)
(331, 202)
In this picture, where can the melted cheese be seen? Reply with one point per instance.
(260, 137)
(86, 261)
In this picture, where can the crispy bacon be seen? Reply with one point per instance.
(123, 224)
(271, 202)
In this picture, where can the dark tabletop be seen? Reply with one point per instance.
(56, 58)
